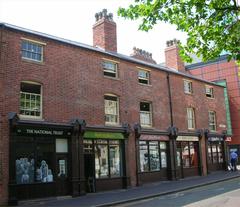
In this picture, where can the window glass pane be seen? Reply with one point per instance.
(193, 154)
(45, 162)
(154, 156)
(101, 161)
(143, 158)
(214, 154)
(62, 167)
(185, 154)
(164, 159)
(32, 50)
(163, 145)
(25, 163)
(114, 160)
(111, 109)
(30, 99)
(62, 145)
(209, 154)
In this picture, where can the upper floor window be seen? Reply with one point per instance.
(209, 91)
(143, 77)
(187, 87)
(111, 109)
(32, 51)
(31, 100)
(145, 114)
(191, 118)
(212, 120)
(110, 69)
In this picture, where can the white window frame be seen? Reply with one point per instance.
(209, 91)
(33, 42)
(142, 113)
(191, 118)
(106, 71)
(116, 114)
(24, 116)
(212, 124)
(141, 78)
(187, 86)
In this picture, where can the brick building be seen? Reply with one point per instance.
(226, 73)
(76, 118)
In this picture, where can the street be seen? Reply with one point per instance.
(216, 195)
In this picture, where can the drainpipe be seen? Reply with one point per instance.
(170, 100)
(173, 131)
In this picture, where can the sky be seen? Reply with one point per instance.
(73, 20)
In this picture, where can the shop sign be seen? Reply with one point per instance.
(43, 131)
(215, 139)
(154, 137)
(188, 138)
(228, 139)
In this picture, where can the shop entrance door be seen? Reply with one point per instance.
(62, 182)
(89, 164)
(179, 168)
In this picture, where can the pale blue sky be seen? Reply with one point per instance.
(73, 19)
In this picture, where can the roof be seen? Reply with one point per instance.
(95, 49)
(222, 58)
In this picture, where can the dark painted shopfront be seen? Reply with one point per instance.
(153, 156)
(188, 158)
(216, 150)
(48, 159)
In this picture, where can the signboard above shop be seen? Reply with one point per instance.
(42, 131)
(215, 139)
(154, 137)
(188, 138)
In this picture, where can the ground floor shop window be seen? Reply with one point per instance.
(189, 152)
(35, 160)
(152, 156)
(107, 155)
(215, 153)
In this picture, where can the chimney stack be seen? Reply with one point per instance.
(172, 58)
(142, 55)
(105, 31)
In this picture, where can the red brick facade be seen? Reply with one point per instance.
(73, 85)
(229, 71)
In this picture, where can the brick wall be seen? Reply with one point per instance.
(74, 86)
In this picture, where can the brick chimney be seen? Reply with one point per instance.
(142, 55)
(172, 58)
(105, 31)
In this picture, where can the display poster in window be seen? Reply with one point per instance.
(43, 173)
(62, 168)
(24, 170)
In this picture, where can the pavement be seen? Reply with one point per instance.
(115, 197)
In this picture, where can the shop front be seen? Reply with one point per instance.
(153, 155)
(104, 160)
(188, 159)
(39, 162)
(216, 149)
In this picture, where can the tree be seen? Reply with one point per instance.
(213, 26)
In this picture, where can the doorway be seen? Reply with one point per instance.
(62, 174)
(89, 165)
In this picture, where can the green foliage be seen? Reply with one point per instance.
(213, 26)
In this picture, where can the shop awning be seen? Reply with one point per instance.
(102, 135)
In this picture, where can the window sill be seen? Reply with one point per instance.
(147, 127)
(112, 78)
(33, 61)
(113, 124)
(23, 117)
(143, 84)
(186, 93)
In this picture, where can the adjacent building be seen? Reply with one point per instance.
(226, 73)
(76, 118)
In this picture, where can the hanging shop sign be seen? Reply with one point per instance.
(215, 139)
(188, 138)
(154, 137)
(228, 139)
(42, 131)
